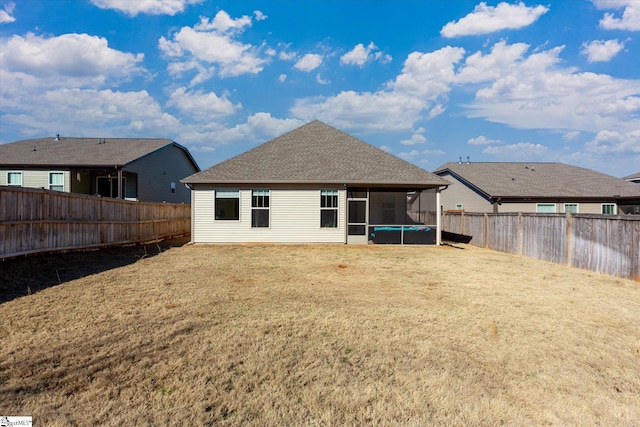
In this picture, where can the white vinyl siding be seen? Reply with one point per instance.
(37, 178)
(294, 218)
(459, 194)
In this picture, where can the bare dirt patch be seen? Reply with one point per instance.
(325, 335)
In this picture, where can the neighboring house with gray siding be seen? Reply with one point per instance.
(535, 187)
(635, 178)
(314, 184)
(142, 169)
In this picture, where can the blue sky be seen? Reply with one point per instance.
(428, 81)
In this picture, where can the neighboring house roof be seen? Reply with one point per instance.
(316, 153)
(87, 152)
(538, 180)
(635, 177)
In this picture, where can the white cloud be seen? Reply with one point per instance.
(6, 15)
(436, 111)
(524, 151)
(223, 23)
(483, 140)
(570, 136)
(415, 153)
(409, 155)
(415, 139)
(282, 78)
(151, 7)
(425, 79)
(360, 55)
(381, 111)
(211, 46)
(259, 15)
(501, 61)
(286, 55)
(258, 128)
(69, 60)
(84, 112)
(601, 50)
(433, 152)
(309, 62)
(607, 142)
(202, 106)
(321, 81)
(537, 94)
(488, 19)
(428, 75)
(630, 19)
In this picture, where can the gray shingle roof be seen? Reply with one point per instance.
(79, 151)
(635, 177)
(316, 153)
(539, 180)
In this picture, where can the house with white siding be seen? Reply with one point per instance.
(142, 169)
(535, 187)
(315, 184)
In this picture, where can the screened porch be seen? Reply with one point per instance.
(392, 216)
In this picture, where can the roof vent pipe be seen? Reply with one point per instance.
(460, 161)
(468, 162)
(57, 138)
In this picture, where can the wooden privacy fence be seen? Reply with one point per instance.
(608, 244)
(35, 220)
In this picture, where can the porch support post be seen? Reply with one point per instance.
(120, 195)
(438, 219)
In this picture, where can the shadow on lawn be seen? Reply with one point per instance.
(30, 274)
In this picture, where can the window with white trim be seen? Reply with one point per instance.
(260, 208)
(546, 208)
(14, 178)
(227, 205)
(56, 181)
(329, 208)
(608, 209)
(571, 207)
(458, 206)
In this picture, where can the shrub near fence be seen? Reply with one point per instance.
(608, 244)
(34, 220)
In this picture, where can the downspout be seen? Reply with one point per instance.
(120, 195)
(438, 219)
(346, 214)
(193, 212)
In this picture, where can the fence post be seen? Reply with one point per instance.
(462, 222)
(486, 230)
(520, 233)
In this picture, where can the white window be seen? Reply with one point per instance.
(329, 208)
(546, 208)
(56, 181)
(14, 178)
(227, 205)
(571, 207)
(259, 208)
(608, 209)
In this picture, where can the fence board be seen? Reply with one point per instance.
(608, 244)
(36, 220)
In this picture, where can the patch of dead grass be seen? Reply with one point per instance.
(326, 335)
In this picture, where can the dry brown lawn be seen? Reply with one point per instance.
(325, 335)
